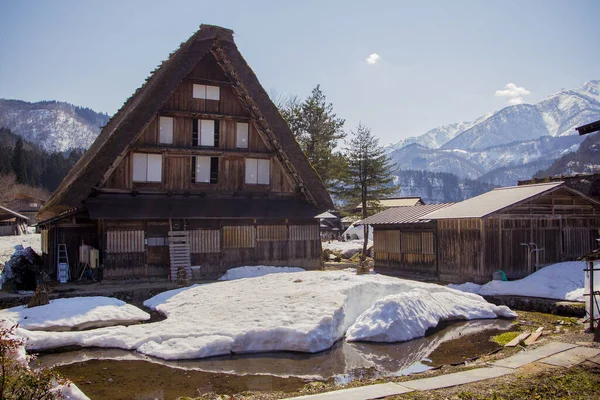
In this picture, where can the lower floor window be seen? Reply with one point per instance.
(257, 171)
(205, 169)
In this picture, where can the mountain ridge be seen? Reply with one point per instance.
(53, 125)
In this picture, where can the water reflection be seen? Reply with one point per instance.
(343, 362)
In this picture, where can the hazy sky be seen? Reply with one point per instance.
(400, 67)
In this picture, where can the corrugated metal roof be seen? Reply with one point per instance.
(397, 202)
(403, 215)
(492, 201)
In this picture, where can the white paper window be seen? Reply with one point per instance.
(202, 169)
(263, 172)
(206, 92)
(213, 93)
(199, 91)
(257, 171)
(154, 167)
(166, 130)
(242, 136)
(147, 167)
(251, 170)
(140, 167)
(207, 132)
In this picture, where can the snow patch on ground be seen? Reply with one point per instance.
(561, 281)
(302, 311)
(74, 313)
(345, 246)
(256, 271)
(406, 316)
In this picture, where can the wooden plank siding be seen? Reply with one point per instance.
(405, 251)
(473, 249)
(140, 249)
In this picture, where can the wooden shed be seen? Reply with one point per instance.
(12, 222)
(404, 244)
(197, 172)
(514, 229)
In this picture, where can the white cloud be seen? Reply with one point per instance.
(514, 93)
(373, 58)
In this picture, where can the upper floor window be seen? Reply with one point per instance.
(257, 171)
(205, 132)
(147, 167)
(205, 169)
(241, 140)
(166, 130)
(33, 205)
(206, 92)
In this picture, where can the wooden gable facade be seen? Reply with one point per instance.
(210, 165)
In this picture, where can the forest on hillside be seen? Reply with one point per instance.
(31, 165)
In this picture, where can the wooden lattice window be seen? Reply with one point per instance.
(205, 241)
(125, 241)
(239, 237)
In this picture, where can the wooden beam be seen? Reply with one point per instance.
(199, 151)
(201, 115)
(204, 81)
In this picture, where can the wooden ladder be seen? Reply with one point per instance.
(179, 252)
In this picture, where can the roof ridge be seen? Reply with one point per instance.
(555, 183)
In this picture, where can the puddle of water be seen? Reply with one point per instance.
(109, 379)
(285, 371)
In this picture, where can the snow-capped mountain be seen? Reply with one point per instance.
(508, 145)
(54, 126)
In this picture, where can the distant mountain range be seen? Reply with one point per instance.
(511, 144)
(54, 126)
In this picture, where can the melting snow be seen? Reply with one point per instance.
(562, 281)
(302, 311)
(74, 313)
(255, 271)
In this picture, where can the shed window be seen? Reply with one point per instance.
(147, 167)
(206, 92)
(257, 171)
(205, 132)
(205, 169)
(241, 141)
(166, 130)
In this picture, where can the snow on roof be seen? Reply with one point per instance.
(492, 201)
(404, 215)
(326, 215)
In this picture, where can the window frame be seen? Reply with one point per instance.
(237, 135)
(257, 168)
(168, 135)
(206, 92)
(145, 157)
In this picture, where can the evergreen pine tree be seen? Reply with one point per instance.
(369, 176)
(18, 162)
(318, 130)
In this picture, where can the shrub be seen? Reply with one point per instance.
(17, 380)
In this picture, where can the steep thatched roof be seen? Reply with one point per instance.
(137, 112)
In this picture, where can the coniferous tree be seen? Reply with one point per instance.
(369, 176)
(18, 162)
(318, 131)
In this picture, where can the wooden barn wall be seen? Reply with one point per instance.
(405, 250)
(140, 249)
(473, 249)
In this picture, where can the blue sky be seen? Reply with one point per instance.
(439, 61)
